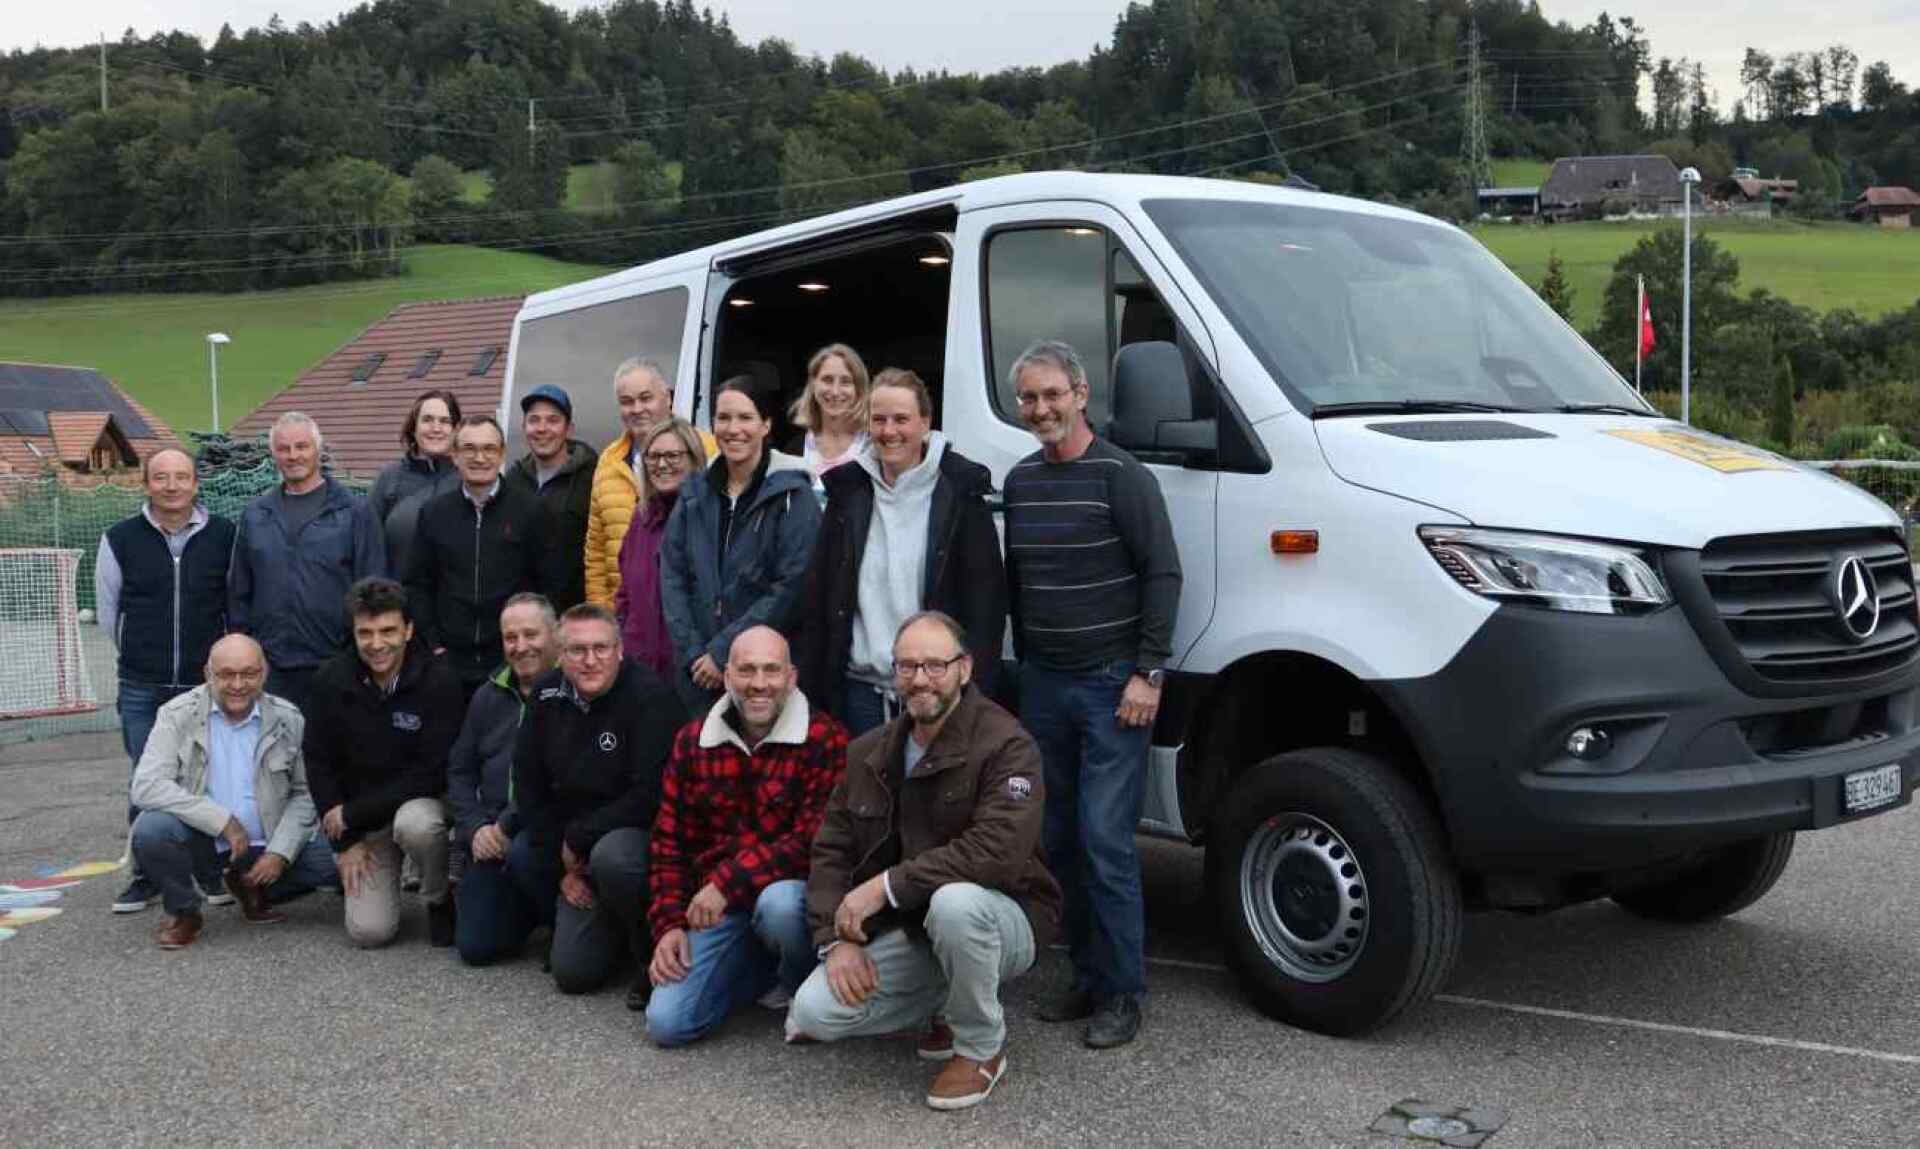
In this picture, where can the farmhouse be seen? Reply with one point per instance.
(1591, 187)
(1509, 201)
(1886, 206)
(74, 422)
(1746, 193)
(360, 394)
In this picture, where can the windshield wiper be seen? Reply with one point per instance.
(1408, 407)
(1609, 409)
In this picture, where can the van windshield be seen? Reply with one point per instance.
(1358, 313)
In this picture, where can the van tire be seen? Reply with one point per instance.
(1728, 880)
(1352, 835)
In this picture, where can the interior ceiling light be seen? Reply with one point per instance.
(739, 303)
(811, 285)
(935, 260)
(1082, 231)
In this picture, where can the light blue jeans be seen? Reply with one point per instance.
(734, 962)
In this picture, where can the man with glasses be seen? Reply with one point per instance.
(922, 912)
(741, 798)
(1095, 586)
(221, 785)
(586, 770)
(475, 548)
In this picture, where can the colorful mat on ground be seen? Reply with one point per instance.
(24, 901)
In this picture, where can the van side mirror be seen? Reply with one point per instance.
(1153, 408)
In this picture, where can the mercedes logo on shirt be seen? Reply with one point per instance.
(609, 743)
(1857, 594)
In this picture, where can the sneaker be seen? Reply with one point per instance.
(1115, 1022)
(777, 999)
(1073, 1005)
(178, 931)
(213, 889)
(937, 1043)
(440, 923)
(965, 1082)
(139, 894)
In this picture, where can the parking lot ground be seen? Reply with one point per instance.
(1797, 1023)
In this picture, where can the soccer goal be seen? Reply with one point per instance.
(43, 669)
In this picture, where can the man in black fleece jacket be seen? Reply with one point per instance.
(380, 721)
(586, 772)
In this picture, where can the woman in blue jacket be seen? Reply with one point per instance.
(736, 549)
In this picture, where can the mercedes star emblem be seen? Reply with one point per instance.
(608, 741)
(1858, 596)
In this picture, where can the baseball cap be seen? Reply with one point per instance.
(551, 394)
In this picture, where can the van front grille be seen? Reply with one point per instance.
(1779, 597)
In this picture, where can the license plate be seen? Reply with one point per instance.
(1866, 790)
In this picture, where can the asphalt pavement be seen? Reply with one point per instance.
(1796, 1023)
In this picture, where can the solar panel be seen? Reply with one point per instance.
(31, 388)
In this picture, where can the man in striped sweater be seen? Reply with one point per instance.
(1095, 582)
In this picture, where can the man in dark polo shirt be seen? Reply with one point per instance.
(1095, 582)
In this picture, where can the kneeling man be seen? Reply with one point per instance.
(586, 772)
(922, 912)
(739, 803)
(380, 721)
(222, 774)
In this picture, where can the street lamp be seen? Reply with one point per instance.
(1688, 177)
(214, 342)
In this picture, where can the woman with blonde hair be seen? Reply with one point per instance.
(831, 413)
(668, 453)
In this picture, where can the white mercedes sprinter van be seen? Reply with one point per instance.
(1465, 624)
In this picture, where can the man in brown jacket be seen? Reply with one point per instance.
(928, 887)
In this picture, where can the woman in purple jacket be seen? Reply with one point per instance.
(669, 453)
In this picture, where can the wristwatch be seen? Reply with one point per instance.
(1155, 677)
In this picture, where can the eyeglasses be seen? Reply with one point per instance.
(664, 460)
(936, 668)
(479, 450)
(240, 676)
(589, 651)
(1053, 396)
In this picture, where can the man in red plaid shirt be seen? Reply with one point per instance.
(741, 797)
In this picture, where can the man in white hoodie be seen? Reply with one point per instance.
(905, 530)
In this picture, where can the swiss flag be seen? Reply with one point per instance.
(1646, 327)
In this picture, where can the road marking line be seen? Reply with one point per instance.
(1624, 1022)
(1686, 1030)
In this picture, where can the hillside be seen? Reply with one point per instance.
(154, 345)
(1824, 266)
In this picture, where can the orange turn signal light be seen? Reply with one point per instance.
(1296, 542)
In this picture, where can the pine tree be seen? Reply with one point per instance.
(1555, 290)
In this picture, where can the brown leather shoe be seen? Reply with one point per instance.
(253, 901)
(177, 931)
(965, 1082)
(936, 1044)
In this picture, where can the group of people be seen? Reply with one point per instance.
(695, 706)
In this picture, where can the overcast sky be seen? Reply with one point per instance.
(985, 35)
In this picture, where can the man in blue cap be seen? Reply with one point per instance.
(558, 470)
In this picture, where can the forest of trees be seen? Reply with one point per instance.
(279, 155)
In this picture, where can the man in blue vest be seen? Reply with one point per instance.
(160, 585)
(300, 547)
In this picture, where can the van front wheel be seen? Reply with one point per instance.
(1339, 904)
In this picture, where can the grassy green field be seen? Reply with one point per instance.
(1823, 266)
(154, 344)
(1519, 173)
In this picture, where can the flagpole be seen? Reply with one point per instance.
(1639, 328)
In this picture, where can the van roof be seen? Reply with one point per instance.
(1118, 191)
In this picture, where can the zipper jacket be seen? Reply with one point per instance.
(466, 562)
(173, 770)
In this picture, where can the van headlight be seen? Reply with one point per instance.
(1548, 571)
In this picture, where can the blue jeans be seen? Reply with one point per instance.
(170, 852)
(733, 963)
(494, 915)
(139, 705)
(862, 708)
(1096, 773)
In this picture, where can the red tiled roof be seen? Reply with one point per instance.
(75, 433)
(361, 421)
(1889, 197)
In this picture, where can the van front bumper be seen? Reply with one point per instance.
(1694, 761)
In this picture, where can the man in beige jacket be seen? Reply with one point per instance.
(222, 783)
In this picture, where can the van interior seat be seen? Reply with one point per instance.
(1153, 401)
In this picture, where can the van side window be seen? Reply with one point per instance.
(578, 351)
(1049, 283)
